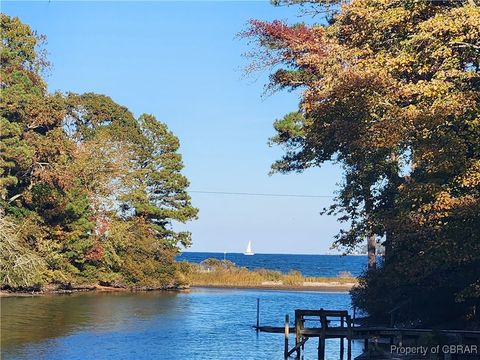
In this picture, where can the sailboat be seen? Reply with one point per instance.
(249, 249)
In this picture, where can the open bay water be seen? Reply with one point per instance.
(308, 265)
(201, 324)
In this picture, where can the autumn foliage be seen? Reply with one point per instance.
(391, 91)
(88, 192)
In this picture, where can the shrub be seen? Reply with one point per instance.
(19, 266)
(345, 274)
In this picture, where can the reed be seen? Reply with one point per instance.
(214, 272)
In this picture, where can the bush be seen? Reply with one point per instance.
(385, 292)
(345, 274)
(212, 264)
(20, 266)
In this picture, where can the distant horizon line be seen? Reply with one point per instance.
(262, 253)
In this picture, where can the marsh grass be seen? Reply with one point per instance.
(214, 272)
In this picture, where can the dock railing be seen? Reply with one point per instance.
(325, 319)
(338, 324)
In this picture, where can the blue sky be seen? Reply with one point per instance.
(182, 62)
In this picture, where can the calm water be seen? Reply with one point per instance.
(201, 324)
(308, 265)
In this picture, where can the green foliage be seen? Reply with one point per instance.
(212, 264)
(97, 190)
(158, 189)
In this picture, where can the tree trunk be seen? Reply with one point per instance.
(371, 250)
(388, 246)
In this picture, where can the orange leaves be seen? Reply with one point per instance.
(95, 253)
(278, 34)
(471, 177)
(278, 42)
(391, 91)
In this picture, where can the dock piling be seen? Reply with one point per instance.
(342, 347)
(321, 340)
(258, 314)
(287, 331)
(298, 326)
(349, 337)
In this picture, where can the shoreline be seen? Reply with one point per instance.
(58, 290)
(49, 290)
(325, 287)
(215, 273)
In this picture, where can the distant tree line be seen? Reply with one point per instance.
(390, 90)
(88, 192)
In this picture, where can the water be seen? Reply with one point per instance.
(202, 324)
(308, 265)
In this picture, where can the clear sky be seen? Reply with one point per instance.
(182, 62)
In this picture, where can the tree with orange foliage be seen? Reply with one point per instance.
(391, 91)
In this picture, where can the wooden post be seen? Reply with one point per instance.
(342, 347)
(258, 313)
(303, 327)
(349, 340)
(321, 340)
(287, 330)
(298, 322)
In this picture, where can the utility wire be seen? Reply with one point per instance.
(259, 194)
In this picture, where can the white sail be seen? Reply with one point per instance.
(249, 249)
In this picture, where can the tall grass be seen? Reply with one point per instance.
(213, 272)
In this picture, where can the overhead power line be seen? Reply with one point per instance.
(259, 194)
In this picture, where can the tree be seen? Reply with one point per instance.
(138, 171)
(96, 190)
(391, 92)
(36, 189)
(159, 194)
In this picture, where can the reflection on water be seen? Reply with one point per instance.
(202, 324)
(32, 319)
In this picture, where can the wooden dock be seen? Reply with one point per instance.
(337, 324)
